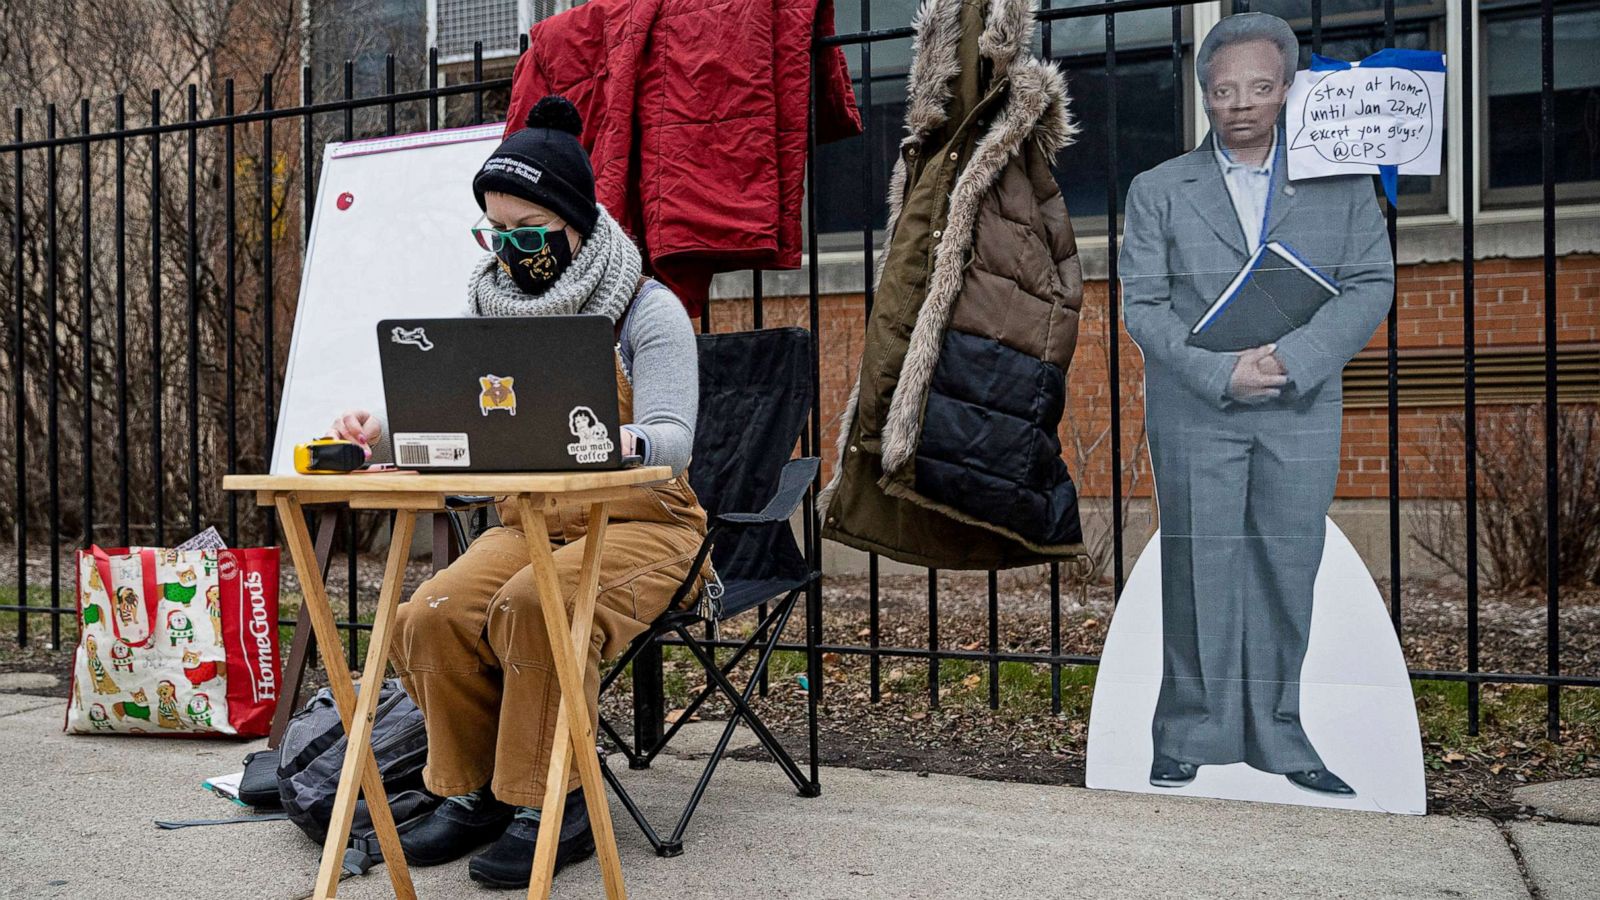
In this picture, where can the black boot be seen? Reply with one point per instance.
(508, 862)
(455, 828)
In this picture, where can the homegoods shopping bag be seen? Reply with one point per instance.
(176, 642)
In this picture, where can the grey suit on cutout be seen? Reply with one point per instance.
(1242, 487)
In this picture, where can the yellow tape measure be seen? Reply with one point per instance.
(325, 456)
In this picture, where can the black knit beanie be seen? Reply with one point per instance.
(544, 164)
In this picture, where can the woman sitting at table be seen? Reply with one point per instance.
(470, 645)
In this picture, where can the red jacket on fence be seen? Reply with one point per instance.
(694, 116)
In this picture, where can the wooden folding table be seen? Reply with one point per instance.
(408, 494)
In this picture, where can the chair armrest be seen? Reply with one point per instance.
(797, 475)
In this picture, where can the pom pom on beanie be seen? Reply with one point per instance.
(556, 112)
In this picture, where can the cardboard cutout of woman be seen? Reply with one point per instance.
(1243, 406)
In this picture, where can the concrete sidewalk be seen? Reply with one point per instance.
(76, 821)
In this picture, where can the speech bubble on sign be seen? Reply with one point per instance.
(1384, 114)
(1382, 117)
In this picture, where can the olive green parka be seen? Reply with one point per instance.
(948, 450)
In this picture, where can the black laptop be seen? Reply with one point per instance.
(508, 394)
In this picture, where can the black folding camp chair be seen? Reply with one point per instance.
(755, 397)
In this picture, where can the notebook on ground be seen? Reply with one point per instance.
(1275, 293)
(512, 394)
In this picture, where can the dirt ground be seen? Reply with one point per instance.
(897, 726)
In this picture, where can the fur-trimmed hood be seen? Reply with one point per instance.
(1004, 42)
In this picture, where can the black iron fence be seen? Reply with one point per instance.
(156, 370)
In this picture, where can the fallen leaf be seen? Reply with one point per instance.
(972, 680)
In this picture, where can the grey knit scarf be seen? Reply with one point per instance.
(600, 281)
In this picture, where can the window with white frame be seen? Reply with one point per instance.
(1510, 142)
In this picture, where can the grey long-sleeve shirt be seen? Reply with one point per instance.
(659, 356)
(658, 352)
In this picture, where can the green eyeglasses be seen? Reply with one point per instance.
(528, 238)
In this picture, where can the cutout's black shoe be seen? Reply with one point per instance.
(456, 827)
(1321, 781)
(1168, 772)
(508, 862)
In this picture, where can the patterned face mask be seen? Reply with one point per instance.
(534, 272)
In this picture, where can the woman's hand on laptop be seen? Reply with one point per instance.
(357, 425)
(630, 443)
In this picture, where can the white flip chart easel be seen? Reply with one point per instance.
(388, 239)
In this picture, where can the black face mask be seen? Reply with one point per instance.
(533, 273)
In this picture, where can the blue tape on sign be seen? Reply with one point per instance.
(1390, 176)
(1398, 58)
(1390, 57)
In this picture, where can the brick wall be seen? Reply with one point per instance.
(1509, 298)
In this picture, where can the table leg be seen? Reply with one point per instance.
(301, 649)
(359, 774)
(574, 737)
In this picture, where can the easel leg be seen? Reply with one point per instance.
(360, 772)
(573, 738)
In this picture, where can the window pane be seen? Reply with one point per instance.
(842, 204)
(887, 56)
(1145, 28)
(1145, 97)
(1365, 42)
(1515, 158)
(1362, 10)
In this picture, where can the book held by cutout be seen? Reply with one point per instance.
(1274, 293)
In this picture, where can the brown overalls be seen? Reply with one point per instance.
(470, 645)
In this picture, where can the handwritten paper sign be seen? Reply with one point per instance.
(1384, 114)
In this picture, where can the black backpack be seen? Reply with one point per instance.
(312, 754)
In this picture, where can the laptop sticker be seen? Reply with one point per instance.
(593, 444)
(497, 394)
(414, 448)
(416, 337)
